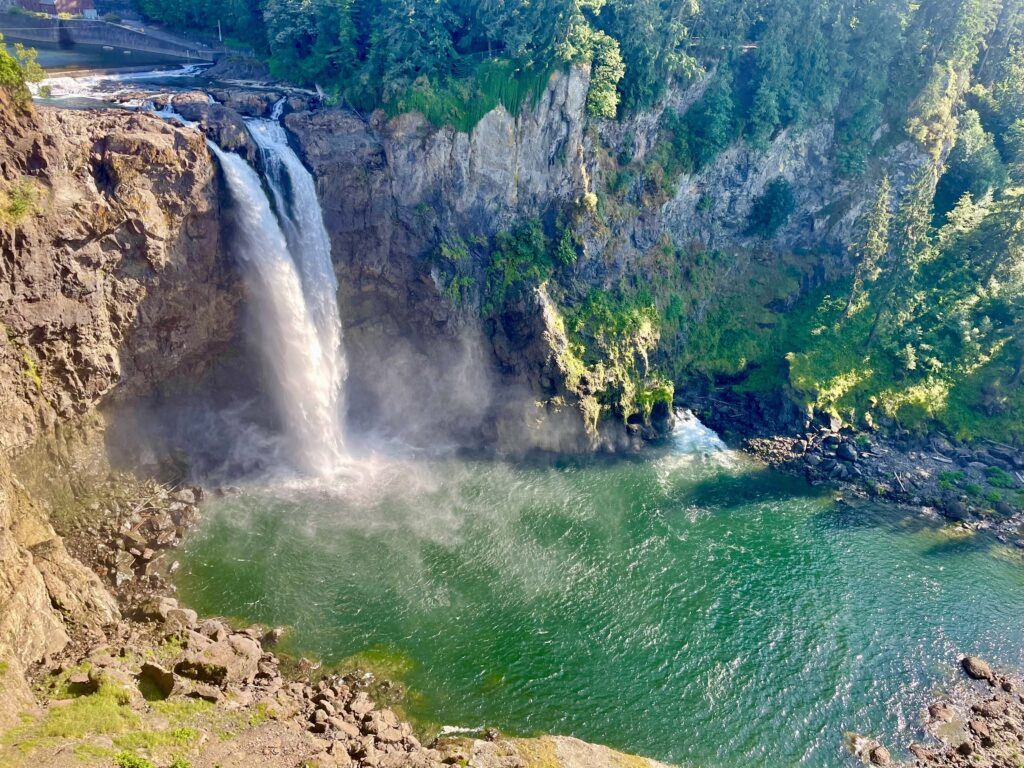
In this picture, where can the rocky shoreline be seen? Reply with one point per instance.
(977, 486)
(980, 723)
(163, 686)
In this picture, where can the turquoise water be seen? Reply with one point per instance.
(687, 605)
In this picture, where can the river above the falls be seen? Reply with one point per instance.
(685, 604)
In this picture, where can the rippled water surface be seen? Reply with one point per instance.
(687, 605)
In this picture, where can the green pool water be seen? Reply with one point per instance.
(687, 605)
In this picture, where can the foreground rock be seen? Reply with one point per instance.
(979, 724)
(199, 690)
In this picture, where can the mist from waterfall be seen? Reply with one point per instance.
(293, 288)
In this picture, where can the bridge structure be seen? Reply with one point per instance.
(68, 33)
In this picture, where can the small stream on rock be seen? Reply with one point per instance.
(684, 603)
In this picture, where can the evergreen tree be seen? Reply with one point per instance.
(910, 244)
(875, 248)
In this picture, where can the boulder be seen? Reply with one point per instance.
(156, 608)
(846, 452)
(941, 712)
(251, 103)
(162, 679)
(992, 708)
(214, 629)
(226, 661)
(274, 636)
(880, 756)
(179, 619)
(223, 126)
(361, 705)
(977, 668)
(955, 510)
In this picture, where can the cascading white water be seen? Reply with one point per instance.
(305, 365)
(298, 207)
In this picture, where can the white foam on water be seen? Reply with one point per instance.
(105, 85)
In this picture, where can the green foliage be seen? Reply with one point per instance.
(459, 290)
(131, 760)
(711, 123)
(974, 166)
(606, 71)
(772, 209)
(612, 335)
(950, 479)
(19, 202)
(17, 71)
(1000, 478)
(789, 59)
(566, 251)
(652, 37)
(105, 712)
(520, 261)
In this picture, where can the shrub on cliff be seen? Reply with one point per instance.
(771, 210)
(17, 71)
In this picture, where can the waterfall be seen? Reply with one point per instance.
(298, 207)
(297, 314)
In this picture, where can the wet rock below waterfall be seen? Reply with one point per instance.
(223, 126)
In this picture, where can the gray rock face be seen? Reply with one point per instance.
(419, 365)
(393, 189)
(223, 125)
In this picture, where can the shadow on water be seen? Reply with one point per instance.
(752, 485)
(950, 541)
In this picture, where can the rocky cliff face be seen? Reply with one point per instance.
(395, 191)
(112, 275)
(43, 591)
(111, 283)
(391, 190)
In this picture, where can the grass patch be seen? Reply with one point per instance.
(129, 760)
(104, 713)
(144, 739)
(461, 103)
(949, 480)
(999, 478)
(182, 712)
(20, 201)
